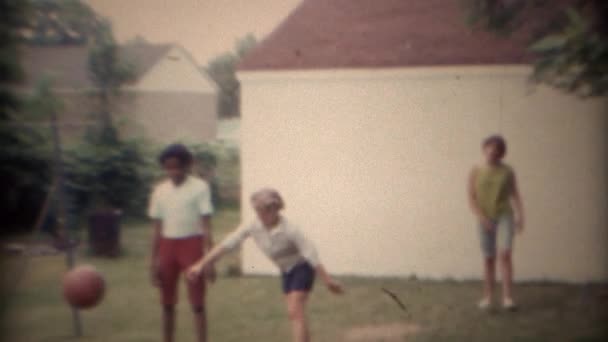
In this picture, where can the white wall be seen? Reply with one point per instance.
(166, 117)
(373, 163)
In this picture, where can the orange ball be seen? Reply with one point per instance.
(83, 287)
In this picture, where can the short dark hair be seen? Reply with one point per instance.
(498, 141)
(178, 151)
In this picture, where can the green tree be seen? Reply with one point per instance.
(105, 170)
(55, 22)
(243, 45)
(12, 20)
(222, 69)
(571, 47)
(109, 73)
(23, 167)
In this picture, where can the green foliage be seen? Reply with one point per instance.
(106, 69)
(56, 22)
(572, 51)
(108, 176)
(205, 165)
(244, 45)
(204, 157)
(222, 69)
(12, 20)
(574, 59)
(25, 170)
(494, 15)
(105, 171)
(23, 164)
(109, 73)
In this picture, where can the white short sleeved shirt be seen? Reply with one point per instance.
(180, 207)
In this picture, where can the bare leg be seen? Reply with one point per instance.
(168, 323)
(489, 277)
(296, 309)
(507, 274)
(200, 323)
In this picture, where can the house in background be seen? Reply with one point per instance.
(170, 99)
(368, 116)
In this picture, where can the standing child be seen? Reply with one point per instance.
(493, 194)
(181, 209)
(285, 245)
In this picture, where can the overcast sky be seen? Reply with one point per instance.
(204, 27)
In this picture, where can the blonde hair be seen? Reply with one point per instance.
(265, 197)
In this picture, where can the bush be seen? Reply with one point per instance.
(219, 165)
(108, 175)
(24, 176)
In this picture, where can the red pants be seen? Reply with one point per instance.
(175, 257)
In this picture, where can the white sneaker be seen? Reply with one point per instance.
(484, 303)
(508, 304)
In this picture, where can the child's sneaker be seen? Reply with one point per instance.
(508, 304)
(484, 303)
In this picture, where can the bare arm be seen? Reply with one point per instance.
(231, 241)
(157, 226)
(473, 200)
(207, 232)
(333, 286)
(471, 194)
(516, 201)
(309, 252)
(211, 258)
(154, 262)
(207, 243)
(207, 261)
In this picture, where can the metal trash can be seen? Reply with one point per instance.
(104, 232)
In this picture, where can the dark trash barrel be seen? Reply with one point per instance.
(104, 233)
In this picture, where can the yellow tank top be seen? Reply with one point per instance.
(493, 190)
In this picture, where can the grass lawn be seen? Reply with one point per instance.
(251, 308)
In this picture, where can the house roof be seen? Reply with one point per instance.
(385, 33)
(68, 65)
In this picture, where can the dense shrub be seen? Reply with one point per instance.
(108, 175)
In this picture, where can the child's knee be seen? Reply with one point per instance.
(295, 313)
(505, 255)
(169, 309)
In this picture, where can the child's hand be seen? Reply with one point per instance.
(486, 223)
(194, 272)
(334, 287)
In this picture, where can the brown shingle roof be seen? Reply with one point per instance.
(68, 65)
(383, 33)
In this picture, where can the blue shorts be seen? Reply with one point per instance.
(300, 278)
(501, 237)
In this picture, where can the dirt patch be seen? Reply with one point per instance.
(382, 332)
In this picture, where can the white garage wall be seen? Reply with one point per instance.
(166, 116)
(373, 165)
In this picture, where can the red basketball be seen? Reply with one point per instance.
(83, 287)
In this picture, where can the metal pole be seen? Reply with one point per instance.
(62, 211)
